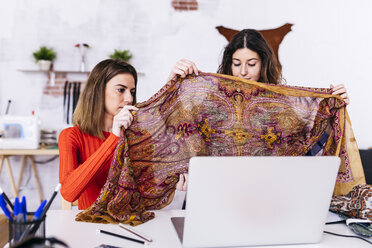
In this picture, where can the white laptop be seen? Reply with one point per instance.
(247, 201)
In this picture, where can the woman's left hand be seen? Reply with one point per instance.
(182, 183)
(340, 90)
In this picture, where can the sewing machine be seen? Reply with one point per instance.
(19, 132)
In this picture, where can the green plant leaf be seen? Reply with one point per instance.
(121, 54)
(44, 53)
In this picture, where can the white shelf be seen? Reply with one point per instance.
(56, 71)
(52, 73)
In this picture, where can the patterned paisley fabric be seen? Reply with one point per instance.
(219, 115)
(356, 204)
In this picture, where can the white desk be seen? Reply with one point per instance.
(61, 224)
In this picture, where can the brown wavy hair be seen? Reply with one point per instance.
(90, 109)
(271, 70)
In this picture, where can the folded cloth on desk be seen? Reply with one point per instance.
(215, 115)
(356, 204)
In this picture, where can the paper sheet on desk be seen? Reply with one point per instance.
(332, 217)
(214, 115)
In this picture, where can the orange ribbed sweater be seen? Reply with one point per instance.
(84, 163)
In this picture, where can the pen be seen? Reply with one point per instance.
(51, 200)
(18, 218)
(39, 210)
(17, 211)
(36, 216)
(135, 232)
(107, 246)
(6, 198)
(120, 236)
(4, 208)
(36, 226)
(24, 208)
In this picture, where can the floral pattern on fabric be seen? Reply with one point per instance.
(216, 115)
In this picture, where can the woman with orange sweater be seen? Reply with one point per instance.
(86, 149)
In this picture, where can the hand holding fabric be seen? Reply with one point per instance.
(340, 90)
(183, 67)
(183, 182)
(123, 119)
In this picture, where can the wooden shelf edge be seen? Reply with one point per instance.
(52, 74)
(61, 71)
(55, 71)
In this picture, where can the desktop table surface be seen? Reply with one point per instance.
(39, 151)
(62, 225)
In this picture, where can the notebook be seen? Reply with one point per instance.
(246, 201)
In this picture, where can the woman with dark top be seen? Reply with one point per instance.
(247, 56)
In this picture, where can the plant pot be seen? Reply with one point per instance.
(44, 65)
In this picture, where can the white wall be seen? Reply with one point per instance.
(330, 43)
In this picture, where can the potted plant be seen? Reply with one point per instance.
(44, 57)
(121, 54)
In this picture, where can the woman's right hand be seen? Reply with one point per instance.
(183, 67)
(183, 182)
(123, 119)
